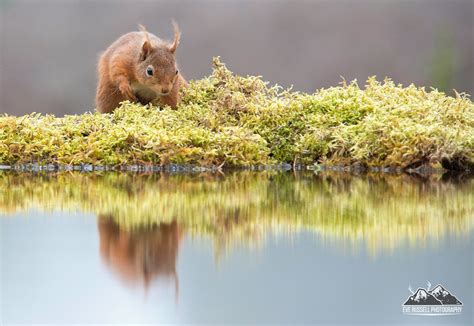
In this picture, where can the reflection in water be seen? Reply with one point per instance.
(147, 225)
(141, 255)
(137, 212)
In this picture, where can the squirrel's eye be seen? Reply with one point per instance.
(177, 72)
(149, 71)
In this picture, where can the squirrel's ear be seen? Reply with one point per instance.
(177, 37)
(146, 47)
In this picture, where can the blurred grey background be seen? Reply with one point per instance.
(49, 49)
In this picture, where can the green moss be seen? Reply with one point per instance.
(239, 121)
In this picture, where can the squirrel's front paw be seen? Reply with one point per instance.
(127, 91)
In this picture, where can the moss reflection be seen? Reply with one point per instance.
(379, 211)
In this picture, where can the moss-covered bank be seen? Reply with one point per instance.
(239, 121)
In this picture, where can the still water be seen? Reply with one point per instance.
(238, 247)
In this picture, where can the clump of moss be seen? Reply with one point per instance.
(240, 121)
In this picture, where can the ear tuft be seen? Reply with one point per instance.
(177, 37)
(146, 47)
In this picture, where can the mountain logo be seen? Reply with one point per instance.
(435, 302)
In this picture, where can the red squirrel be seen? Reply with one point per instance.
(139, 67)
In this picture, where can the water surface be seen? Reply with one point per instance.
(231, 248)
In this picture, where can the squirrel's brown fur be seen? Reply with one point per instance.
(122, 71)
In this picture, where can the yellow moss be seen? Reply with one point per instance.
(239, 121)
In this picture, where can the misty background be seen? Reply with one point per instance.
(49, 49)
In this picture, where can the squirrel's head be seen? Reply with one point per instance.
(157, 67)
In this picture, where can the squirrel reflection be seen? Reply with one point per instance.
(141, 255)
